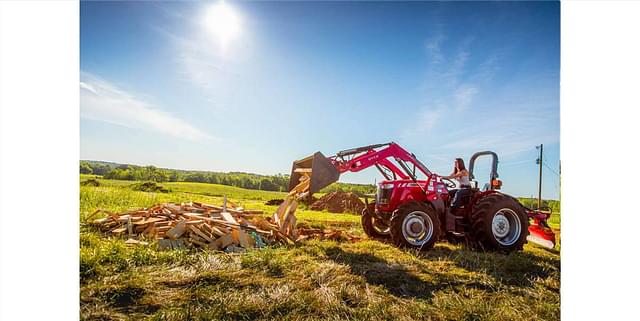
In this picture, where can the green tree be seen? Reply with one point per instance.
(85, 168)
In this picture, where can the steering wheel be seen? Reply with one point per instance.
(448, 183)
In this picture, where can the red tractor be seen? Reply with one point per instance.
(412, 204)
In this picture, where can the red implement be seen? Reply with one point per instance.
(539, 231)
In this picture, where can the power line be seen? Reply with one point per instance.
(551, 169)
(549, 166)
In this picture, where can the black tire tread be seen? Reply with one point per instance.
(369, 229)
(481, 234)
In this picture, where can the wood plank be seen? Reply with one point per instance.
(148, 220)
(217, 231)
(279, 214)
(290, 212)
(119, 230)
(173, 208)
(196, 237)
(178, 230)
(290, 227)
(163, 228)
(196, 230)
(150, 230)
(197, 242)
(228, 217)
(251, 212)
(222, 242)
(135, 242)
(102, 220)
(130, 227)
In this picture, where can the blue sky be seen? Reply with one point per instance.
(180, 85)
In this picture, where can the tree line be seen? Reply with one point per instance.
(279, 182)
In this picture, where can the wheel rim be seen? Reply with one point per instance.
(506, 226)
(380, 228)
(417, 228)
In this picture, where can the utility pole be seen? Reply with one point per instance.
(539, 162)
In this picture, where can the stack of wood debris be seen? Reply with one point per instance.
(180, 225)
(214, 227)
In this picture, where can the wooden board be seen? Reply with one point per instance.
(228, 217)
(178, 230)
(196, 230)
(222, 242)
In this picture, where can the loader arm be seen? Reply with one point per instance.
(326, 170)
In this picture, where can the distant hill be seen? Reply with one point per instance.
(279, 182)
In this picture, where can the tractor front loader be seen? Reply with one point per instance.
(412, 204)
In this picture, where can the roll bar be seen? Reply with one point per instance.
(494, 164)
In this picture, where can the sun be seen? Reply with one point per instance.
(223, 22)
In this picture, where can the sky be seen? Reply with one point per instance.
(252, 86)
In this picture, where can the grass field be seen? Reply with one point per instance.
(368, 280)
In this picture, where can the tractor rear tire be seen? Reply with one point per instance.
(499, 223)
(415, 225)
(373, 227)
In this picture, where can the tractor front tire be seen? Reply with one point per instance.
(415, 225)
(499, 223)
(373, 227)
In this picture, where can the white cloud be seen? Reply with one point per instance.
(433, 46)
(463, 96)
(425, 122)
(428, 119)
(102, 101)
(451, 77)
(87, 87)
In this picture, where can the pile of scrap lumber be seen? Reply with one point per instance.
(180, 225)
(215, 227)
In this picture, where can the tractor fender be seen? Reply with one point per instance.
(408, 202)
(437, 204)
(476, 199)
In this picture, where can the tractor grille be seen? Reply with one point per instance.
(383, 194)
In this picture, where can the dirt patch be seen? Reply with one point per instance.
(149, 187)
(306, 201)
(276, 201)
(90, 182)
(339, 202)
(309, 200)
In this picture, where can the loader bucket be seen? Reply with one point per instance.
(323, 172)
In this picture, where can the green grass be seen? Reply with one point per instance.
(554, 220)
(314, 280)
